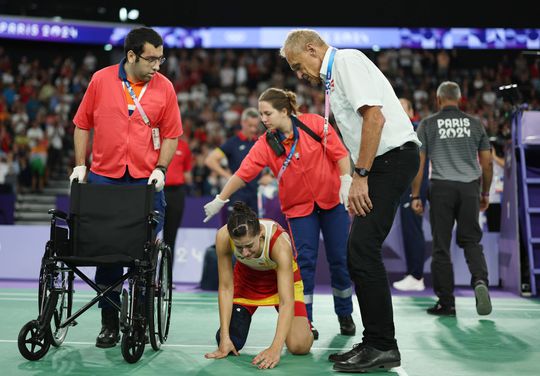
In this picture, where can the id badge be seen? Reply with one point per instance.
(155, 138)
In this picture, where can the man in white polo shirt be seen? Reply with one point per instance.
(384, 147)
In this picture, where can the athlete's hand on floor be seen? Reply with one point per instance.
(225, 347)
(268, 358)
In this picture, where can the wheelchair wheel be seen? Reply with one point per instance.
(33, 343)
(133, 343)
(160, 297)
(61, 281)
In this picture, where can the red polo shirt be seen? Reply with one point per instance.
(121, 140)
(180, 163)
(311, 178)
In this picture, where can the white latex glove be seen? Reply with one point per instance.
(213, 207)
(79, 173)
(346, 181)
(159, 178)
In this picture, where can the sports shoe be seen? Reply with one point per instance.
(409, 283)
(315, 333)
(442, 310)
(483, 301)
(346, 325)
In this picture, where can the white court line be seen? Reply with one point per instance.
(399, 370)
(411, 306)
(178, 345)
(211, 346)
(181, 297)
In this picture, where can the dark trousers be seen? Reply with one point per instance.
(175, 196)
(391, 174)
(334, 224)
(493, 217)
(450, 202)
(412, 232)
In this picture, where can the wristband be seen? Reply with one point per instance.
(485, 194)
(162, 169)
(415, 198)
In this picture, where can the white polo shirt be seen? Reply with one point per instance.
(357, 82)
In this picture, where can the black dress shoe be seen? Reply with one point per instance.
(442, 310)
(346, 325)
(370, 359)
(344, 356)
(109, 335)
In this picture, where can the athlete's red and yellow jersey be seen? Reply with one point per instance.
(255, 279)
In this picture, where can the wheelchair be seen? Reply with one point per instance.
(107, 225)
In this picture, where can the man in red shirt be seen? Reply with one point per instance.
(133, 112)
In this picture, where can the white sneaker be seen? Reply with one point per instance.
(409, 283)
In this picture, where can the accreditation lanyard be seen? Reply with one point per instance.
(136, 101)
(156, 141)
(327, 84)
(289, 157)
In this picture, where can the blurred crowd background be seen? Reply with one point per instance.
(41, 86)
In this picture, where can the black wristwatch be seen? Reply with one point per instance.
(162, 169)
(361, 171)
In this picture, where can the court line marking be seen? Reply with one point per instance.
(182, 297)
(399, 370)
(497, 308)
(211, 346)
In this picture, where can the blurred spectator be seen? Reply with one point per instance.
(226, 159)
(35, 134)
(215, 86)
(177, 178)
(55, 134)
(414, 243)
(38, 161)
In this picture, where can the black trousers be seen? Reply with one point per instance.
(452, 201)
(391, 174)
(175, 196)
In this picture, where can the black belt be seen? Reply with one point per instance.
(411, 145)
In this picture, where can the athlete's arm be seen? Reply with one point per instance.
(225, 293)
(282, 256)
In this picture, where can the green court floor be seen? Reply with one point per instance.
(505, 343)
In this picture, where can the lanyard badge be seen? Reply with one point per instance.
(327, 86)
(155, 131)
(291, 153)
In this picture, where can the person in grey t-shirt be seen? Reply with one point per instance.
(459, 150)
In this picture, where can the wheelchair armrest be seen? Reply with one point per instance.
(58, 213)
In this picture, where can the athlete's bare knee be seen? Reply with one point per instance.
(298, 347)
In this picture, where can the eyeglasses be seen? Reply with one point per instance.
(152, 59)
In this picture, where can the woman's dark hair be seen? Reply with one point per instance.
(280, 99)
(136, 39)
(243, 221)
